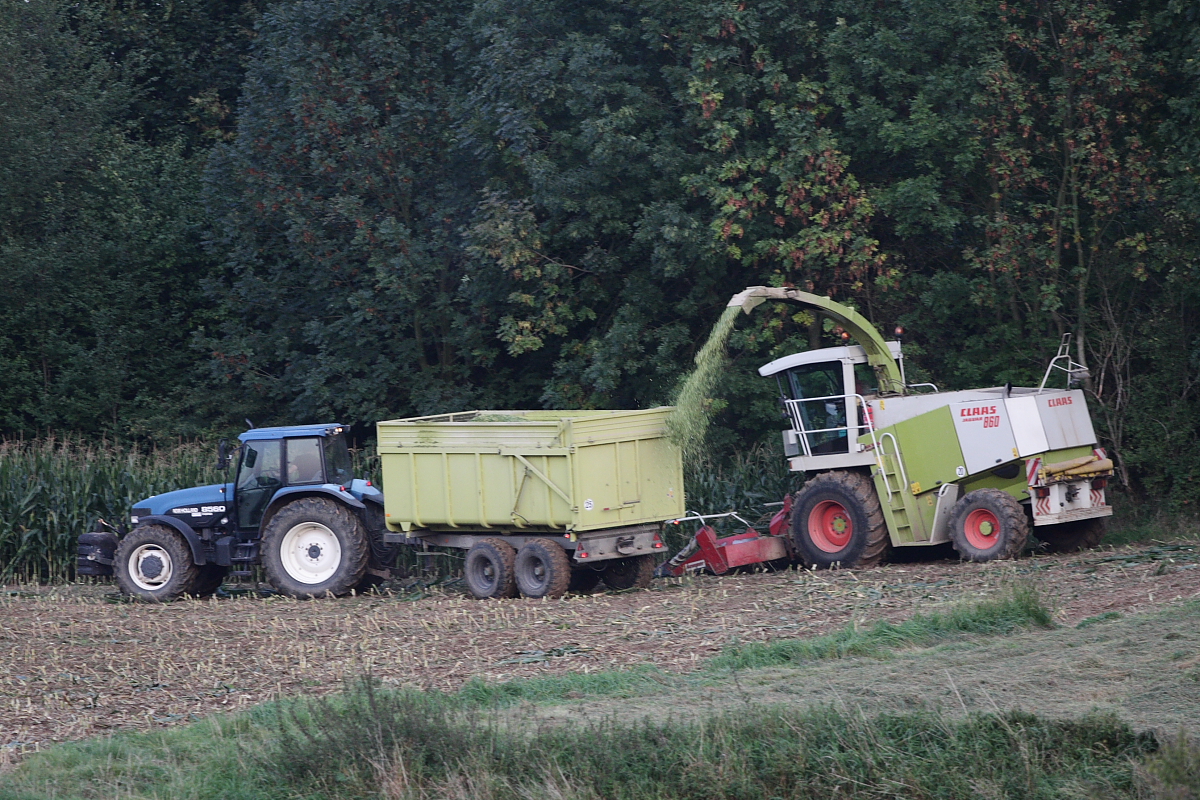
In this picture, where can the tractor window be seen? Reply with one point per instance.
(259, 476)
(304, 461)
(337, 460)
(814, 381)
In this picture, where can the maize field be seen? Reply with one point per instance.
(52, 490)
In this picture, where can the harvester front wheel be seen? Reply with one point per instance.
(635, 572)
(490, 569)
(987, 525)
(837, 519)
(315, 547)
(543, 569)
(154, 563)
(1083, 534)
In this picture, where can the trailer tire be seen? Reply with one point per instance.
(583, 580)
(490, 569)
(1069, 537)
(635, 572)
(315, 547)
(154, 563)
(837, 520)
(542, 569)
(987, 525)
(208, 580)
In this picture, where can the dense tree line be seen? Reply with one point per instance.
(357, 209)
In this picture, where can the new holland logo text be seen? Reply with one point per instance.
(198, 511)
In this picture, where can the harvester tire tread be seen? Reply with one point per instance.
(543, 569)
(490, 569)
(635, 572)
(996, 505)
(132, 562)
(869, 544)
(335, 519)
(1070, 537)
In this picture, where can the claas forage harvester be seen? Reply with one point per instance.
(891, 464)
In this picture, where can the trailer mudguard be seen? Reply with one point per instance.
(189, 535)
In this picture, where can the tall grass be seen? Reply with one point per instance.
(52, 490)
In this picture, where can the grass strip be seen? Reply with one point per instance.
(404, 745)
(1021, 609)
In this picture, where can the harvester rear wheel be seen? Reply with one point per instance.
(543, 569)
(1083, 534)
(837, 519)
(490, 569)
(635, 572)
(988, 524)
(154, 563)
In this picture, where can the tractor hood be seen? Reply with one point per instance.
(199, 506)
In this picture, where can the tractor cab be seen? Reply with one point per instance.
(299, 456)
(824, 394)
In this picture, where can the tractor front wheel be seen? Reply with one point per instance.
(315, 547)
(837, 520)
(154, 563)
(987, 525)
(1069, 537)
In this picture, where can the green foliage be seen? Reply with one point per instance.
(53, 490)
(1020, 608)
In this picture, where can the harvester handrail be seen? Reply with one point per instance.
(798, 421)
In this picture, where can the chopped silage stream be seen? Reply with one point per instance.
(74, 664)
(687, 426)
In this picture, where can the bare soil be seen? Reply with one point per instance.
(75, 662)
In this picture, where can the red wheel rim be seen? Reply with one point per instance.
(830, 526)
(982, 529)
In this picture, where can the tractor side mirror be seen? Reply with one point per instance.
(223, 454)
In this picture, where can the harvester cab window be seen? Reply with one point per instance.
(304, 461)
(865, 381)
(337, 460)
(821, 406)
(259, 476)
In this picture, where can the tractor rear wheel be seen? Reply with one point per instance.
(315, 547)
(634, 572)
(154, 563)
(490, 569)
(1083, 534)
(837, 519)
(543, 569)
(988, 524)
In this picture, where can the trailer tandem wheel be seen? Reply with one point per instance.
(543, 569)
(837, 519)
(988, 524)
(490, 569)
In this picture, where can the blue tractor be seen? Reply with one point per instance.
(294, 507)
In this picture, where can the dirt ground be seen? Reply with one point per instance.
(75, 662)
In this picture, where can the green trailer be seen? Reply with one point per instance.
(542, 501)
